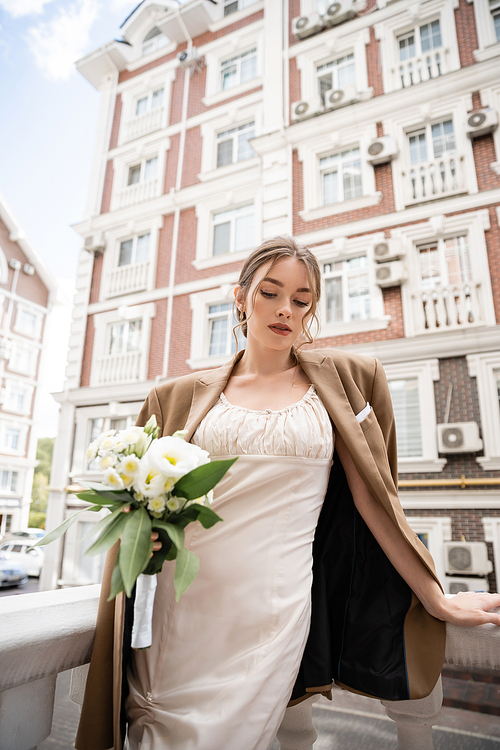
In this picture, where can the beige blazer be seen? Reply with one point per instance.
(345, 383)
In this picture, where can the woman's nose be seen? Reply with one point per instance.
(285, 311)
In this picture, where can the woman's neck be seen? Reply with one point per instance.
(264, 363)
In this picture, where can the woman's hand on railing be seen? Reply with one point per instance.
(469, 608)
(154, 535)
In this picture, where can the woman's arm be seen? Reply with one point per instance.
(464, 609)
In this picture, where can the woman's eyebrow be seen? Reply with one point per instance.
(280, 283)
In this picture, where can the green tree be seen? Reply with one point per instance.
(41, 478)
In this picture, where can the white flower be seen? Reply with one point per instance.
(108, 444)
(173, 504)
(113, 479)
(141, 444)
(156, 504)
(108, 461)
(130, 436)
(92, 451)
(209, 497)
(149, 481)
(174, 457)
(129, 465)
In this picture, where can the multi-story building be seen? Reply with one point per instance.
(367, 129)
(27, 292)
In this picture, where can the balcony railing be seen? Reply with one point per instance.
(422, 68)
(448, 308)
(437, 178)
(127, 279)
(138, 193)
(118, 368)
(52, 631)
(143, 124)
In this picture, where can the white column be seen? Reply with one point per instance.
(56, 506)
(272, 66)
(104, 125)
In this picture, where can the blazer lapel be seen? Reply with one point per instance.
(206, 391)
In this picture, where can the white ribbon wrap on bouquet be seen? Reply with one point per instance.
(142, 630)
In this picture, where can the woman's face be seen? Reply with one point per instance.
(282, 302)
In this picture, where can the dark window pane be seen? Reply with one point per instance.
(125, 253)
(221, 238)
(225, 153)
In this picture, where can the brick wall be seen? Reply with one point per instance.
(95, 284)
(176, 97)
(293, 12)
(172, 161)
(191, 166)
(483, 149)
(294, 83)
(493, 249)
(88, 348)
(115, 127)
(164, 252)
(373, 64)
(108, 187)
(465, 24)
(157, 345)
(126, 75)
(181, 337)
(30, 287)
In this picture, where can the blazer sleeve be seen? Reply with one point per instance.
(151, 406)
(381, 403)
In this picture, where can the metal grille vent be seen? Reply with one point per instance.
(476, 119)
(383, 273)
(375, 148)
(460, 558)
(302, 22)
(453, 437)
(381, 249)
(336, 96)
(333, 9)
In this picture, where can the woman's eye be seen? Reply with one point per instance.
(301, 304)
(267, 294)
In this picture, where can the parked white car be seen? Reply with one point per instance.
(22, 552)
(12, 573)
(32, 533)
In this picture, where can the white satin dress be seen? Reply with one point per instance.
(224, 658)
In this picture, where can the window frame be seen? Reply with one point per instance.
(235, 211)
(340, 171)
(200, 326)
(234, 143)
(226, 121)
(10, 473)
(228, 46)
(483, 368)
(22, 427)
(238, 9)
(23, 308)
(237, 61)
(31, 370)
(28, 396)
(426, 372)
(489, 45)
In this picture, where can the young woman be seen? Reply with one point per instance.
(315, 436)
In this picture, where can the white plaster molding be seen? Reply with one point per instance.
(483, 367)
(451, 499)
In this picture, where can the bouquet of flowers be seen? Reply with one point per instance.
(165, 483)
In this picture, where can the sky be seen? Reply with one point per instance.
(48, 121)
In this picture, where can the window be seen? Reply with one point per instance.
(495, 12)
(96, 428)
(445, 262)
(16, 397)
(9, 480)
(125, 337)
(347, 290)
(22, 359)
(434, 149)
(154, 40)
(221, 337)
(406, 404)
(232, 6)
(233, 145)
(335, 74)
(440, 135)
(27, 322)
(122, 423)
(341, 176)
(150, 102)
(238, 69)
(11, 438)
(135, 250)
(233, 230)
(486, 369)
(418, 61)
(143, 172)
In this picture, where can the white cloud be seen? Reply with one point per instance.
(57, 43)
(18, 8)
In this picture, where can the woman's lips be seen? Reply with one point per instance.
(280, 330)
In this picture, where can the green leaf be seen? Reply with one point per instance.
(186, 569)
(100, 525)
(135, 547)
(201, 480)
(59, 531)
(156, 562)
(206, 516)
(117, 585)
(110, 534)
(175, 533)
(89, 496)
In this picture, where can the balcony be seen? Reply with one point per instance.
(433, 179)
(138, 193)
(143, 124)
(127, 279)
(419, 69)
(32, 656)
(118, 368)
(448, 308)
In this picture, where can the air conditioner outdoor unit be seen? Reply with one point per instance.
(95, 243)
(189, 58)
(307, 108)
(454, 584)
(481, 122)
(459, 437)
(388, 249)
(338, 12)
(304, 26)
(382, 150)
(390, 274)
(467, 558)
(341, 97)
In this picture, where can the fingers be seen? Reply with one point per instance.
(126, 509)
(156, 545)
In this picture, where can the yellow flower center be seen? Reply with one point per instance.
(171, 460)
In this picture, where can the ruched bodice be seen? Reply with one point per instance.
(224, 658)
(302, 429)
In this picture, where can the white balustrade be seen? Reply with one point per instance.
(447, 308)
(436, 178)
(52, 631)
(118, 368)
(138, 193)
(125, 279)
(421, 68)
(143, 124)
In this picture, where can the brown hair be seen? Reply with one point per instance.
(272, 250)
